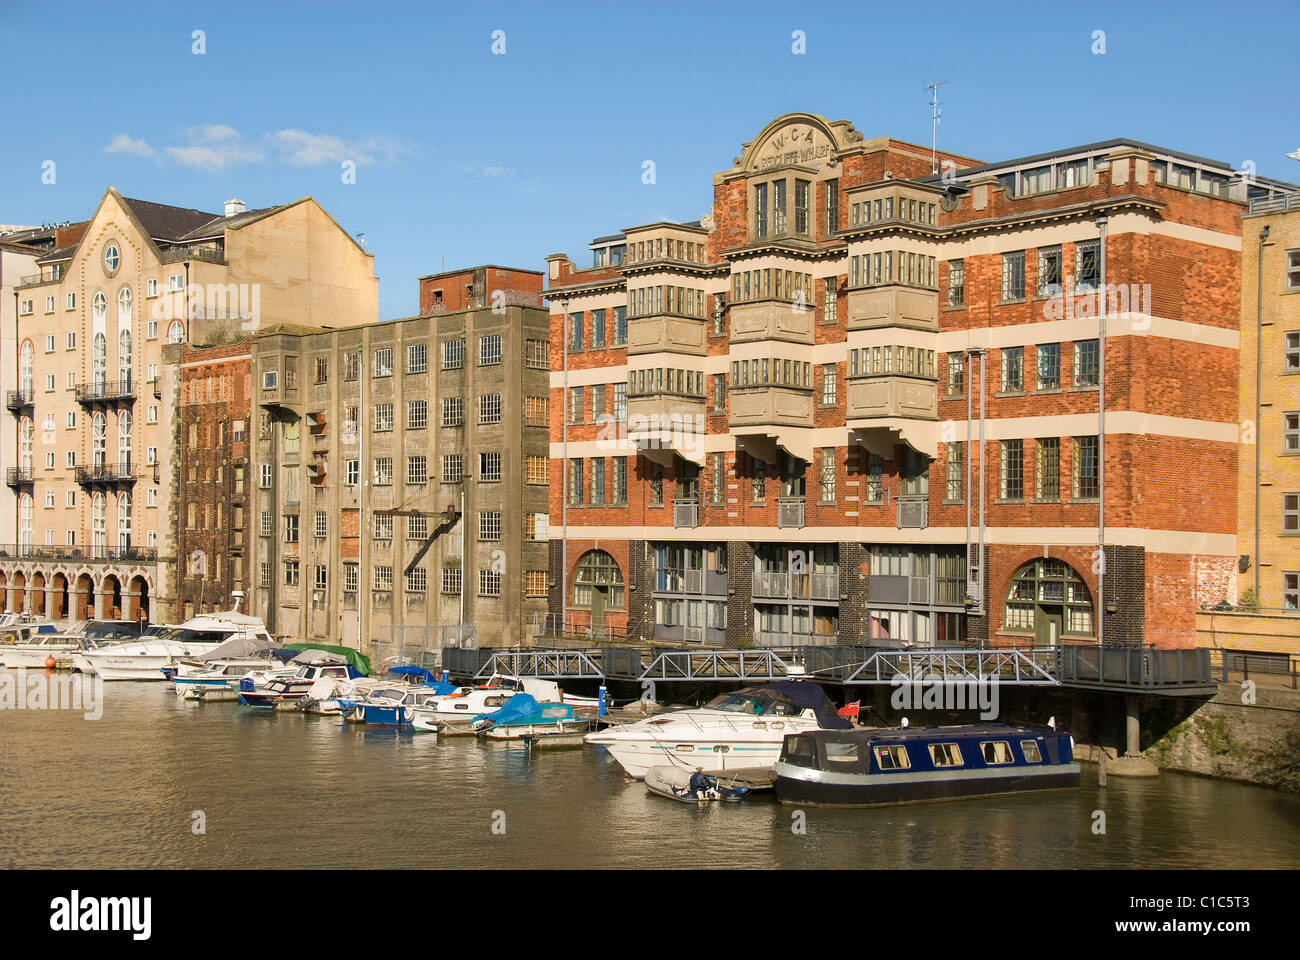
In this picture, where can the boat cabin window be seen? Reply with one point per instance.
(801, 751)
(552, 713)
(756, 706)
(946, 755)
(463, 706)
(893, 758)
(842, 752)
(1030, 749)
(495, 701)
(996, 752)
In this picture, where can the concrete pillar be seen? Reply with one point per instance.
(102, 599)
(1133, 734)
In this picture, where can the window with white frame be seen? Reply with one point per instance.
(417, 357)
(417, 580)
(489, 525)
(489, 467)
(384, 362)
(383, 471)
(451, 580)
(489, 350)
(383, 526)
(383, 578)
(489, 583)
(453, 468)
(417, 527)
(417, 414)
(351, 472)
(489, 408)
(453, 354)
(453, 411)
(417, 469)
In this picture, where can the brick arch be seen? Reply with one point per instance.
(37, 592)
(1006, 562)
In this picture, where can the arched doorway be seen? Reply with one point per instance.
(20, 591)
(111, 588)
(4, 593)
(58, 597)
(1049, 598)
(84, 598)
(598, 586)
(138, 599)
(38, 594)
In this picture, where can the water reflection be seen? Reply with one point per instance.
(284, 790)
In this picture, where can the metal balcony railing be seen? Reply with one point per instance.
(913, 513)
(790, 512)
(1281, 204)
(105, 391)
(191, 252)
(17, 399)
(771, 584)
(90, 554)
(107, 473)
(686, 513)
(15, 476)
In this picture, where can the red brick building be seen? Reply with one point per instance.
(208, 479)
(768, 422)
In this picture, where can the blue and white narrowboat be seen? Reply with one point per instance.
(866, 768)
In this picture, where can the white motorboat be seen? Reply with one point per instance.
(63, 646)
(22, 630)
(737, 730)
(161, 646)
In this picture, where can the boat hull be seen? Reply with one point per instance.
(129, 667)
(804, 786)
(638, 756)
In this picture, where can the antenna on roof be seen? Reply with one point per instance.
(934, 123)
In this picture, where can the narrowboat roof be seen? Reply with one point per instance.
(936, 732)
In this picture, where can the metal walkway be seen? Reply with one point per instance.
(1109, 669)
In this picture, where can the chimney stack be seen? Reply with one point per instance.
(234, 206)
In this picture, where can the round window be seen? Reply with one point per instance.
(112, 258)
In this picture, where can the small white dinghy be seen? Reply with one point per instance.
(691, 786)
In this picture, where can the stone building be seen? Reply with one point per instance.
(379, 450)
(94, 408)
(797, 420)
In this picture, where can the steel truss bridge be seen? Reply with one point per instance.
(1118, 669)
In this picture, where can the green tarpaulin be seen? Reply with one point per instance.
(356, 660)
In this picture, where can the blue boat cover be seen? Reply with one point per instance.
(809, 695)
(411, 670)
(516, 708)
(285, 654)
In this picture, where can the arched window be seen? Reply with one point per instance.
(99, 306)
(124, 521)
(124, 357)
(124, 439)
(124, 306)
(99, 360)
(1049, 599)
(25, 430)
(98, 439)
(176, 332)
(25, 520)
(98, 524)
(25, 370)
(598, 581)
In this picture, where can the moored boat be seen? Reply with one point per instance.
(898, 765)
(522, 717)
(281, 691)
(687, 786)
(739, 730)
(162, 645)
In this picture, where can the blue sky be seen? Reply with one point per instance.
(483, 158)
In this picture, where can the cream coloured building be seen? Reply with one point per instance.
(90, 467)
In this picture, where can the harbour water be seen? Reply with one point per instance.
(276, 790)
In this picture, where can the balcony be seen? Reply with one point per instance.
(686, 514)
(796, 586)
(790, 512)
(711, 583)
(106, 473)
(892, 396)
(207, 253)
(770, 640)
(771, 320)
(669, 422)
(31, 551)
(40, 279)
(17, 400)
(18, 476)
(893, 305)
(770, 406)
(106, 391)
(665, 333)
(913, 513)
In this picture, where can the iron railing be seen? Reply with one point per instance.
(1245, 662)
(790, 512)
(17, 399)
(686, 513)
(103, 391)
(1262, 205)
(15, 476)
(123, 472)
(89, 554)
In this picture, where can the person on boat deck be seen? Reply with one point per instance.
(699, 782)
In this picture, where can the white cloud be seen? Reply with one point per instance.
(213, 147)
(122, 143)
(304, 149)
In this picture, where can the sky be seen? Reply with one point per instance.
(504, 132)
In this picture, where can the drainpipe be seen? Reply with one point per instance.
(983, 485)
(564, 472)
(1259, 366)
(1101, 430)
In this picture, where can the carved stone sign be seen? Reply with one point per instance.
(794, 143)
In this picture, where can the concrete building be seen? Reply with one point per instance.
(95, 508)
(400, 471)
(860, 401)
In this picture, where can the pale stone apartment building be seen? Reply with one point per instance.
(94, 494)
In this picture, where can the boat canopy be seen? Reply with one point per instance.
(421, 675)
(783, 697)
(355, 658)
(237, 648)
(516, 708)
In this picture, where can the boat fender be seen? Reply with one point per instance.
(246, 684)
(49, 663)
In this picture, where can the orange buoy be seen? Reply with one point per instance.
(49, 663)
